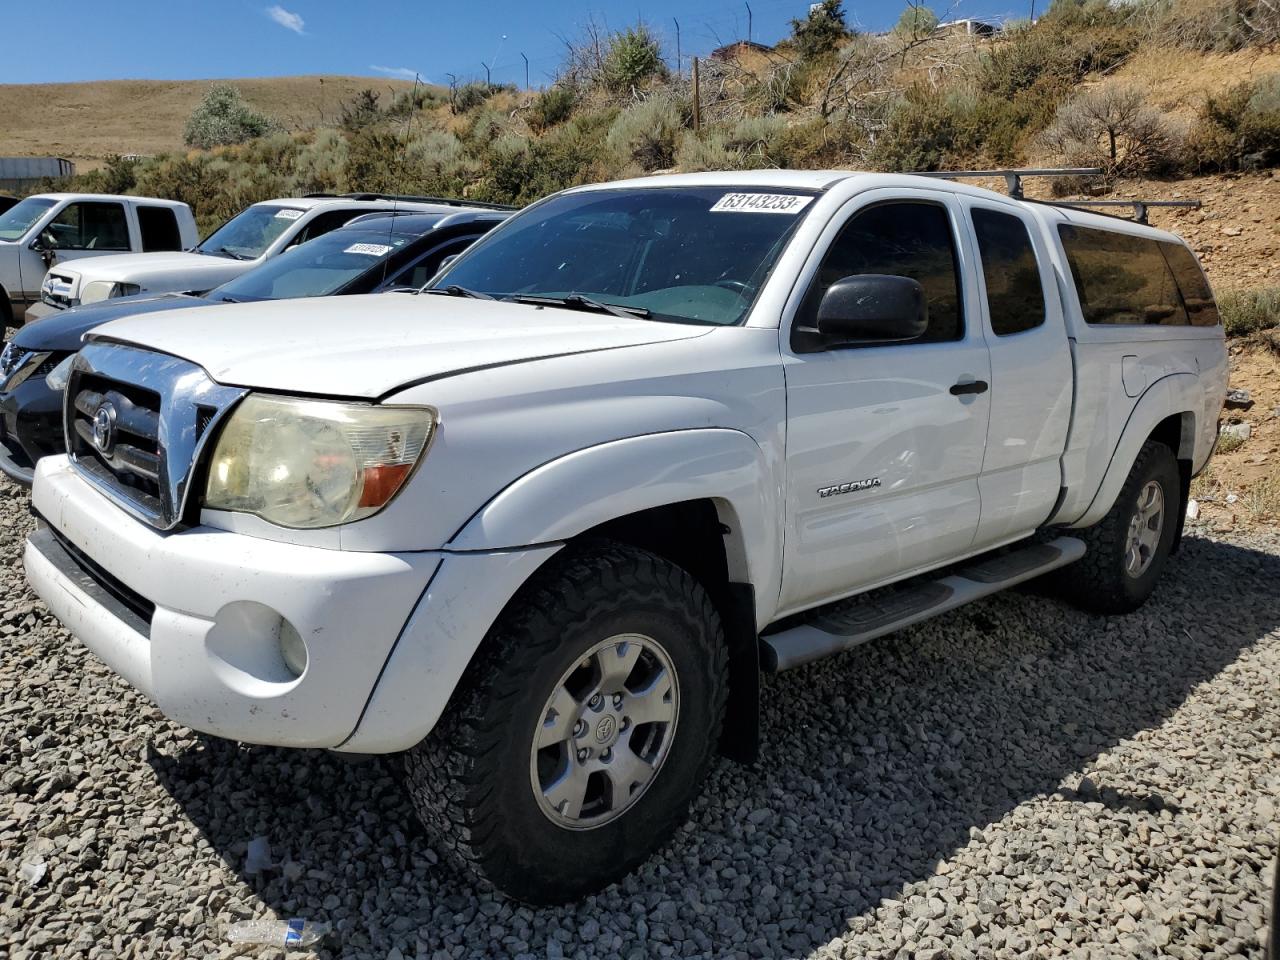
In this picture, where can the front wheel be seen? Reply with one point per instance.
(583, 729)
(1127, 549)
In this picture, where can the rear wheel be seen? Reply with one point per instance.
(1127, 549)
(572, 749)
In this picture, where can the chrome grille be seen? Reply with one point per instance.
(136, 423)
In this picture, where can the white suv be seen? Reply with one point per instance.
(543, 526)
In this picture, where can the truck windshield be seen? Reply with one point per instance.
(247, 235)
(316, 268)
(18, 219)
(688, 254)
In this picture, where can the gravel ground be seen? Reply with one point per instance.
(1016, 779)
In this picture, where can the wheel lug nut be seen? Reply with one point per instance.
(595, 701)
(582, 756)
(607, 756)
(617, 700)
(580, 728)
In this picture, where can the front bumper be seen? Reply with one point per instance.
(192, 618)
(39, 310)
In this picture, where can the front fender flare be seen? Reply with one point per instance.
(1169, 396)
(574, 493)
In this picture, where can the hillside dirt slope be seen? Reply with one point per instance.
(85, 122)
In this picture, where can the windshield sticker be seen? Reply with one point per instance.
(371, 249)
(760, 203)
(287, 214)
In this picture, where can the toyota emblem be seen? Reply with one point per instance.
(104, 427)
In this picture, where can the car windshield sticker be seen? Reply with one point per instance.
(760, 203)
(371, 249)
(287, 214)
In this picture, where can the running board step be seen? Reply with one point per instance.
(848, 623)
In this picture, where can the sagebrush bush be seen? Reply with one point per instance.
(644, 135)
(223, 117)
(1246, 311)
(1113, 127)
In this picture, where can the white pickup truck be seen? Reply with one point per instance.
(54, 228)
(543, 525)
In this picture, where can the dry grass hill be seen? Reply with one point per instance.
(86, 122)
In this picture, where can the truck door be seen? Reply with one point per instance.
(85, 228)
(1031, 373)
(884, 443)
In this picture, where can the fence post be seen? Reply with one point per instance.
(697, 100)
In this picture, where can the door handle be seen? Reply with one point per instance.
(974, 386)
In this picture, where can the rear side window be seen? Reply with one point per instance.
(1121, 278)
(159, 229)
(1011, 272)
(904, 239)
(1196, 295)
(322, 223)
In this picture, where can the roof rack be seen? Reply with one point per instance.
(1013, 178)
(1139, 206)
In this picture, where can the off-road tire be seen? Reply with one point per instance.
(470, 779)
(1099, 582)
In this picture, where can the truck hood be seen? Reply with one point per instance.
(369, 346)
(155, 272)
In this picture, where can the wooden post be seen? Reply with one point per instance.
(697, 105)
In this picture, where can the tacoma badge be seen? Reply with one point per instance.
(851, 487)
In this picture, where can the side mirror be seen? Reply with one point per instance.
(872, 308)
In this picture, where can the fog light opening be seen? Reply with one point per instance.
(292, 649)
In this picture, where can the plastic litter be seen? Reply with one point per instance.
(33, 871)
(1193, 510)
(258, 856)
(298, 932)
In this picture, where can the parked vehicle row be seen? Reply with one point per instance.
(542, 525)
(374, 252)
(58, 227)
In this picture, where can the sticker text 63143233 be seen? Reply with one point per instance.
(760, 203)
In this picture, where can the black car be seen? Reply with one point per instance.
(371, 254)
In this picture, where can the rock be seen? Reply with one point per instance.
(1239, 431)
(1238, 399)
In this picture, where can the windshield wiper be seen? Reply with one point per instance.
(575, 301)
(232, 254)
(453, 290)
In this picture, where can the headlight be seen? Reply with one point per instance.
(314, 463)
(57, 377)
(98, 290)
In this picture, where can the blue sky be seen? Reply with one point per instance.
(186, 39)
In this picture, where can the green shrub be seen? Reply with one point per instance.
(116, 175)
(1239, 130)
(1250, 310)
(320, 166)
(223, 117)
(926, 130)
(631, 59)
(471, 95)
(552, 106)
(199, 181)
(822, 31)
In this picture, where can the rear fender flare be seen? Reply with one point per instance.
(1173, 395)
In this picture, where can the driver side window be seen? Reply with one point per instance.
(904, 239)
(88, 226)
